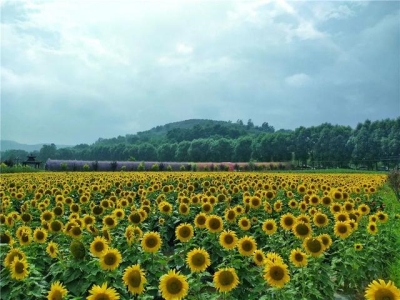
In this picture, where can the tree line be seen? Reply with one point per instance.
(368, 145)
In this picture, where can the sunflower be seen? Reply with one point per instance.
(255, 202)
(225, 279)
(364, 209)
(335, 208)
(293, 204)
(198, 260)
(301, 229)
(278, 205)
(56, 226)
(184, 209)
(358, 246)
(382, 216)
(326, 201)
(230, 215)
(47, 216)
(19, 268)
(273, 257)
(99, 246)
(75, 232)
(269, 226)
(40, 235)
(200, 220)
(102, 292)
(228, 239)
(372, 228)
(165, 207)
(151, 242)
(379, 289)
(26, 217)
(314, 246)
(320, 219)
(214, 223)
(11, 254)
(326, 240)
(342, 216)
(247, 245)
(287, 221)
(52, 249)
(57, 291)
(298, 258)
(184, 232)
(6, 238)
(173, 285)
(110, 221)
(314, 200)
(134, 279)
(111, 259)
(135, 218)
(276, 274)
(207, 207)
(244, 223)
(342, 229)
(259, 257)
(25, 238)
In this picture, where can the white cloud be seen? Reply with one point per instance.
(184, 49)
(306, 31)
(298, 80)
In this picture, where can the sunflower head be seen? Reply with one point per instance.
(184, 232)
(228, 239)
(19, 268)
(200, 220)
(151, 242)
(247, 245)
(276, 274)
(102, 292)
(111, 259)
(314, 246)
(99, 246)
(269, 226)
(259, 257)
(214, 223)
(301, 229)
(244, 223)
(173, 285)
(198, 260)
(57, 291)
(77, 249)
(134, 278)
(225, 279)
(298, 258)
(379, 289)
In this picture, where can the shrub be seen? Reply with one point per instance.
(141, 166)
(394, 182)
(155, 167)
(86, 167)
(169, 168)
(63, 166)
(123, 168)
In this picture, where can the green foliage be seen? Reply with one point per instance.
(155, 167)
(63, 166)
(86, 167)
(141, 166)
(394, 182)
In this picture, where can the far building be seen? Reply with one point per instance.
(31, 160)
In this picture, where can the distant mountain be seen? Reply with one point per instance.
(12, 145)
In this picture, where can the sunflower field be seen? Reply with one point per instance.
(199, 235)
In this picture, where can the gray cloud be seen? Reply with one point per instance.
(69, 78)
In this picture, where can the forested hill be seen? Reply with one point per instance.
(326, 145)
(189, 130)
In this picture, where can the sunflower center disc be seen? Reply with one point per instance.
(226, 278)
(135, 279)
(174, 286)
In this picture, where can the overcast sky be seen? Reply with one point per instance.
(75, 71)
